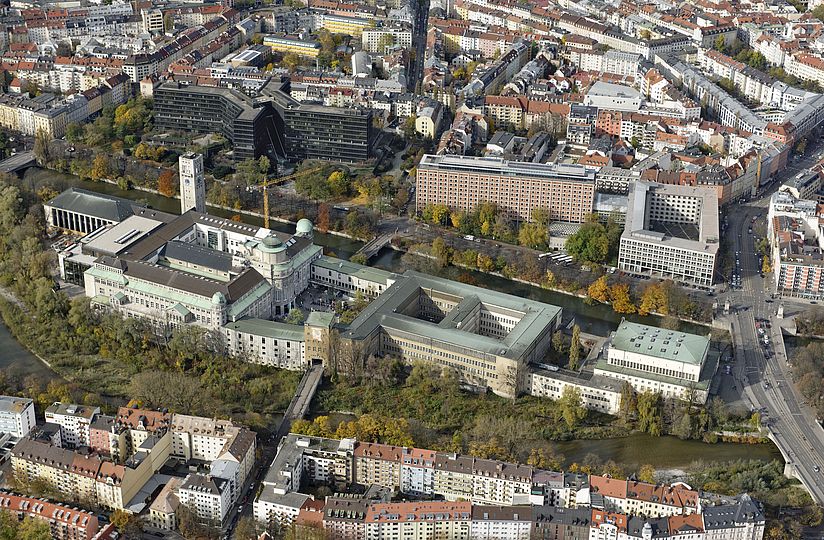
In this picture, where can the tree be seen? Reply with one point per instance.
(291, 61)
(647, 474)
(590, 244)
(629, 404)
(166, 184)
(245, 529)
(720, 44)
(620, 298)
(323, 218)
(650, 419)
(532, 235)
(571, 408)
(338, 183)
(540, 216)
(386, 41)
(765, 265)
(295, 316)
(599, 290)
(818, 12)
(575, 348)
(41, 146)
(129, 525)
(441, 252)
(558, 343)
(654, 300)
(100, 167)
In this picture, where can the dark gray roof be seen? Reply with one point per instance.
(204, 483)
(233, 290)
(194, 254)
(561, 516)
(723, 516)
(94, 204)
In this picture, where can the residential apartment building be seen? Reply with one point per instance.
(658, 360)
(74, 421)
(463, 182)
(796, 252)
(671, 232)
(208, 497)
(65, 522)
(16, 416)
(419, 520)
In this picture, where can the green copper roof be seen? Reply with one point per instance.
(268, 329)
(660, 343)
(320, 318)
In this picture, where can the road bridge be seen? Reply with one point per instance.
(18, 162)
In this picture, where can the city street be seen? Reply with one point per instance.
(763, 374)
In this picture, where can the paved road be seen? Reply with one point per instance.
(17, 161)
(419, 38)
(765, 377)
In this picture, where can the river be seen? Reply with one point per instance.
(632, 451)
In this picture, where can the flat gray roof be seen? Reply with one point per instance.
(666, 344)
(502, 167)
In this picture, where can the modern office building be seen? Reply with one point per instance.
(287, 44)
(487, 337)
(190, 108)
(16, 416)
(192, 183)
(312, 131)
(659, 360)
(463, 182)
(671, 232)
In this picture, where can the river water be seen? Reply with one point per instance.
(632, 451)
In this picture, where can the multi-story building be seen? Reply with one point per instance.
(658, 360)
(499, 522)
(81, 211)
(381, 39)
(16, 416)
(208, 497)
(485, 336)
(796, 246)
(65, 522)
(107, 438)
(463, 182)
(319, 132)
(286, 44)
(420, 520)
(737, 518)
(61, 469)
(198, 269)
(74, 422)
(192, 183)
(378, 464)
(206, 109)
(671, 232)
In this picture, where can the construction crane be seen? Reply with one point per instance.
(275, 181)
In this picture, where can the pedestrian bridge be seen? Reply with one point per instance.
(299, 405)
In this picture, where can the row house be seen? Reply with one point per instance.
(64, 522)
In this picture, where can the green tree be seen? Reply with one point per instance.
(590, 244)
(647, 474)
(291, 61)
(441, 252)
(100, 167)
(570, 405)
(33, 529)
(532, 235)
(575, 348)
(41, 146)
(650, 419)
(628, 407)
(295, 316)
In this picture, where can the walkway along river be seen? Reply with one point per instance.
(661, 452)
